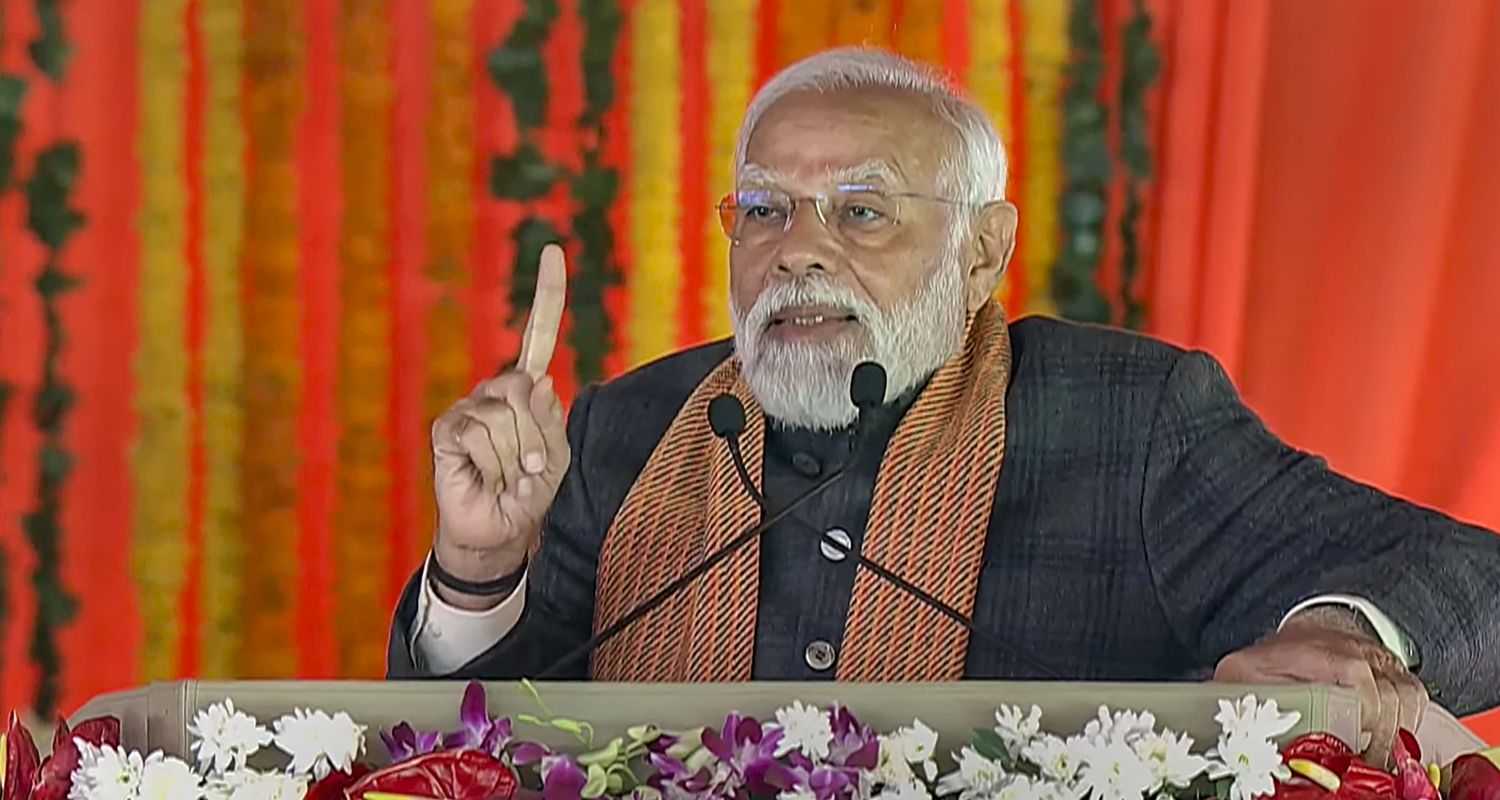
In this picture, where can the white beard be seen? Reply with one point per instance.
(806, 385)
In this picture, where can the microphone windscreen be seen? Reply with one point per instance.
(867, 385)
(726, 415)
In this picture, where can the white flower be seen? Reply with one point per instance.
(806, 728)
(106, 773)
(1058, 760)
(1254, 720)
(1021, 787)
(977, 777)
(1015, 730)
(319, 743)
(248, 784)
(1252, 762)
(892, 767)
(226, 738)
(916, 744)
(1170, 758)
(168, 779)
(1112, 771)
(801, 793)
(1121, 726)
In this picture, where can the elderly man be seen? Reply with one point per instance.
(1098, 504)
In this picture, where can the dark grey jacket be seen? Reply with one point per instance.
(1145, 524)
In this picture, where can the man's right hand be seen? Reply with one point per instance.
(499, 454)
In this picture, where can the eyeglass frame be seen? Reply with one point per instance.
(818, 199)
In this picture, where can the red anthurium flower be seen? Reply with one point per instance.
(1412, 779)
(55, 777)
(446, 774)
(20, 763)
(1340, 774)
(334, 783)
(1476, 776)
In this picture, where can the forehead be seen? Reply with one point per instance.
(807, 138)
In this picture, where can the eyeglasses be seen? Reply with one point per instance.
(863, 215)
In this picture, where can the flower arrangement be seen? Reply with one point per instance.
(801, 753)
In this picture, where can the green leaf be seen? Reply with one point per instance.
(12, 93)
(531, 719)
(597, 783)
(52, 282)
(605, 755)
(989, 744)
(643, 733)
(523, 176)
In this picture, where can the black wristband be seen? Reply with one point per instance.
(502, 585)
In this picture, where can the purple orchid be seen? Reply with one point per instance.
(855, 748)
(404, 742)
(854, 743)
(746, 764)
(562, 778)
(479, 730)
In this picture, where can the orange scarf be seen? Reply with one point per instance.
(936, 487)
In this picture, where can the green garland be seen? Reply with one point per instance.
(1086, 164)
(517, 67)
(1142, 64)
(50, 218)
(12, 93)
(1089, 168)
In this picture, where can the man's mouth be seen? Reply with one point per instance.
(810, 316)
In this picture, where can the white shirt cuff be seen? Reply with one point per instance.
(445, 637)
(1386, 628)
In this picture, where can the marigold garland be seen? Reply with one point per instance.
(918, 33)
(223, 345)
(450, 226)
(655, 179)
(731, 80)
(161, 450)
(274, 97)
(1045, 44)
(868, 22)
(12, 93)
(989, 82)
(360, 546)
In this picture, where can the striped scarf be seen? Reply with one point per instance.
(936, 484)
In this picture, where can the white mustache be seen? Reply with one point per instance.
(806, 292)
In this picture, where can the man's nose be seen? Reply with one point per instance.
(807, 246)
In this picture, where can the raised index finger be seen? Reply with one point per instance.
(540, 338)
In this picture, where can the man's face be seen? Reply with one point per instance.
(878, 275)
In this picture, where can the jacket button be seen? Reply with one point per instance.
(819, 655)
(833, 553)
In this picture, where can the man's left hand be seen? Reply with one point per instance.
(1330, 645)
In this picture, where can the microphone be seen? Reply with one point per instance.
(867, 391)
(726, 418)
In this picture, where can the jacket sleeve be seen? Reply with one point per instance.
(1239, 527)
(559, 591)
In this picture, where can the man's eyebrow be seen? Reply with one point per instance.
(753, 173)
(873, 171)
(876, 170)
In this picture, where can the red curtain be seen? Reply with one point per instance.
(1326, 226)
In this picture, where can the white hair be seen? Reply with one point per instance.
(974, 174)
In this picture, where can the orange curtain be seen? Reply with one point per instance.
(1326, 227)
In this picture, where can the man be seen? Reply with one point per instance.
(1102, 506)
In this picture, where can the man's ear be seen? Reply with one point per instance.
(989, 254)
